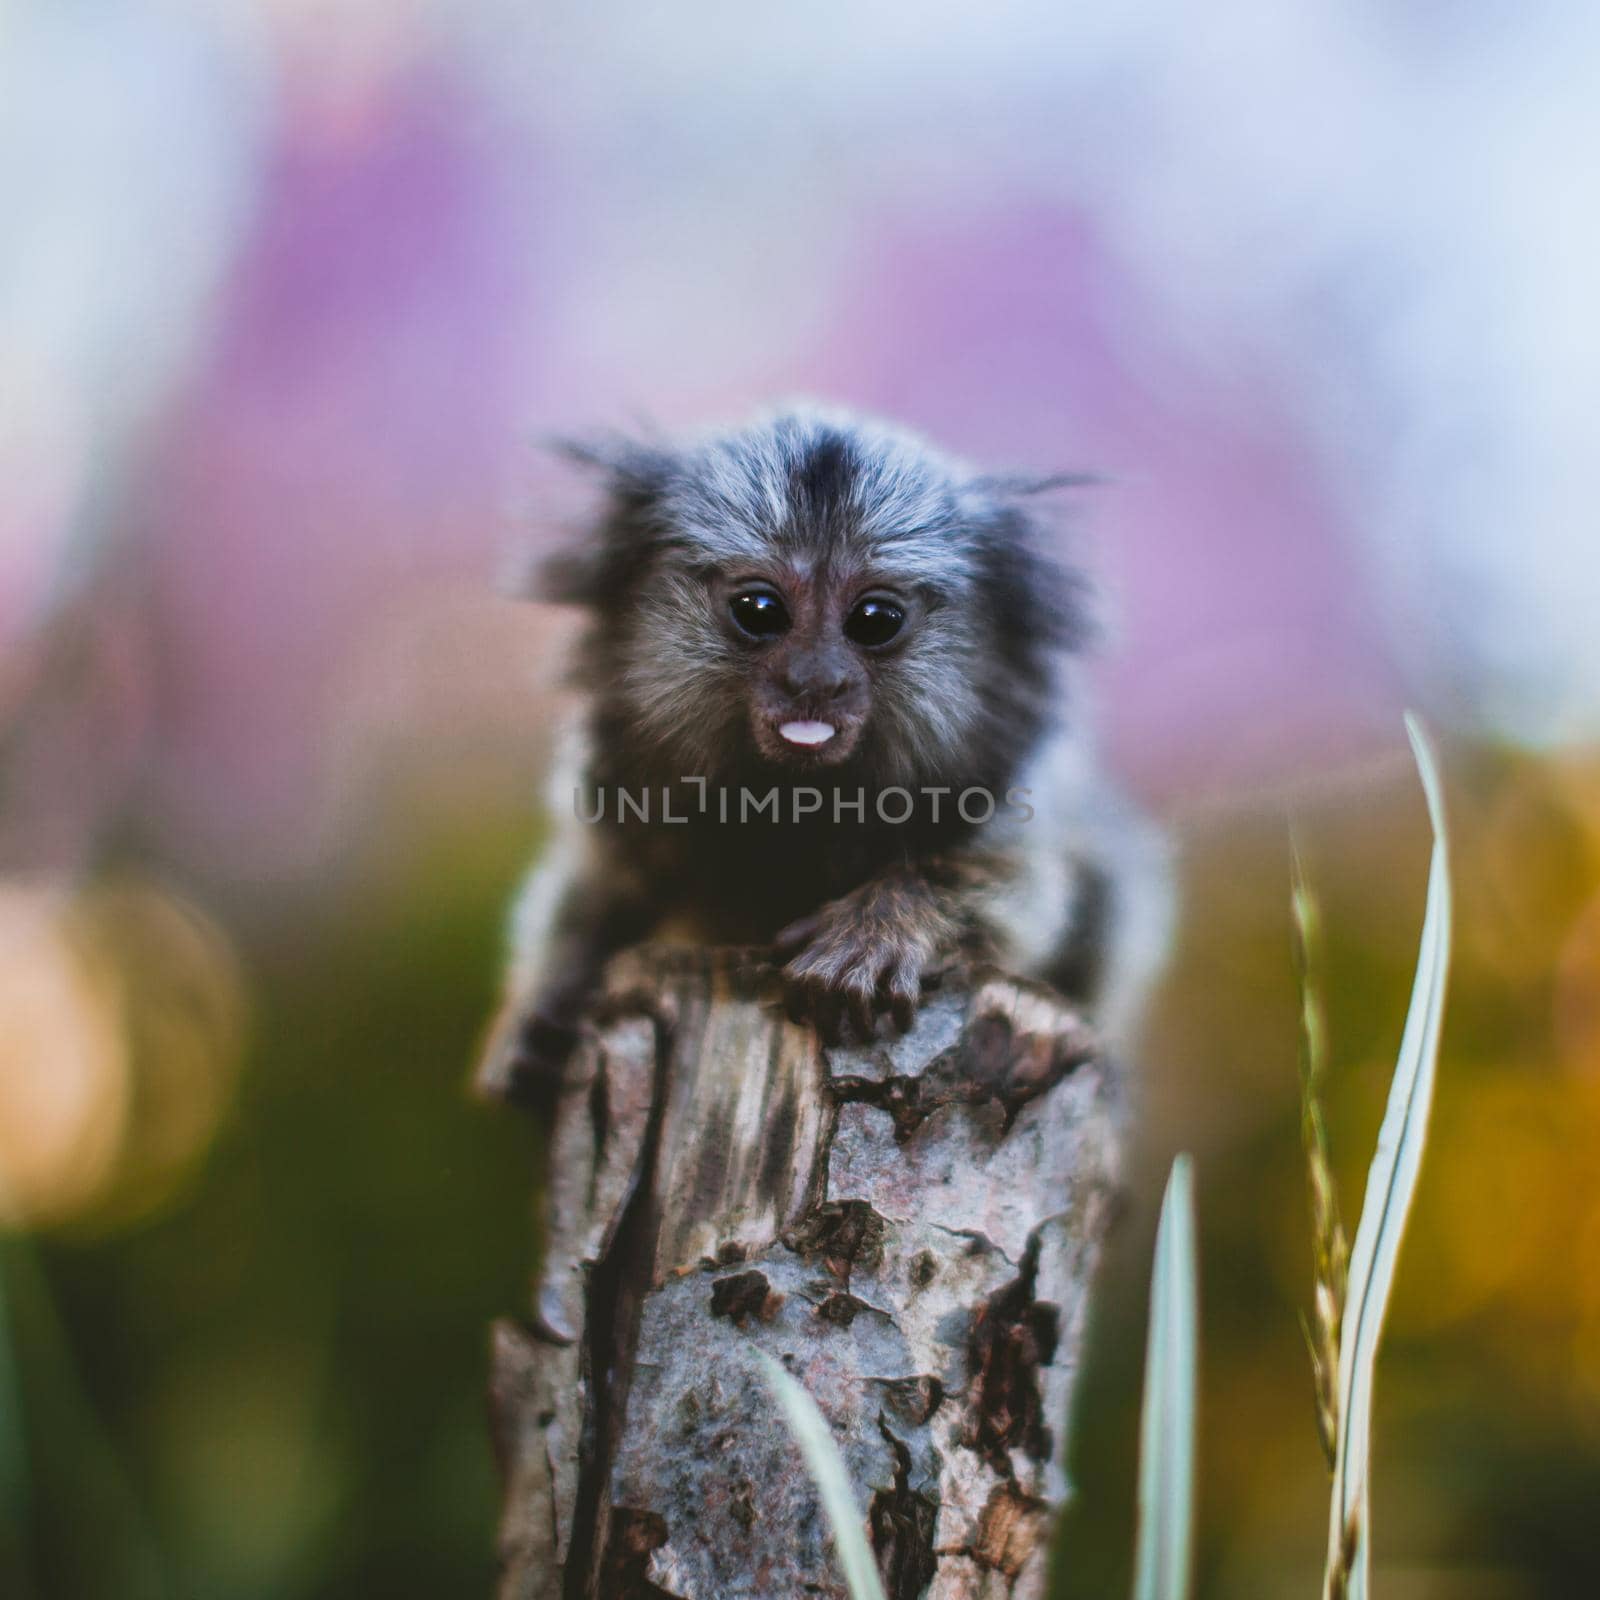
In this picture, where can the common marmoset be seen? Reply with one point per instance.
(795, 628)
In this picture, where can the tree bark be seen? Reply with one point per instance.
(911, 1227)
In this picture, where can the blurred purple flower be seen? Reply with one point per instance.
(350, 433)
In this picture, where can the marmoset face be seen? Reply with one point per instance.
(812, 592)
(814, 644)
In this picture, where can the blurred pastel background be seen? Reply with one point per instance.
(288, 293)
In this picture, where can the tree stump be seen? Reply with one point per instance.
(911, 1227)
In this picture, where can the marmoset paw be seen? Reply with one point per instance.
(856, 960)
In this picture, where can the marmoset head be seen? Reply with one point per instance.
(812, 594)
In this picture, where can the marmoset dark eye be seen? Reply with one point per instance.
(760, 614)
(874, 622)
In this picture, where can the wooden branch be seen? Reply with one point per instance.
(911, 1227)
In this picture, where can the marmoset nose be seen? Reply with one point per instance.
(819, 676)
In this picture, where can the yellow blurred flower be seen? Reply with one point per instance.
(120, 1024)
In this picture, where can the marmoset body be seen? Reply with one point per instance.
(794, 629)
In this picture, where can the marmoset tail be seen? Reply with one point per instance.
(832, 708)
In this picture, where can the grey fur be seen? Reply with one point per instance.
(977, 691)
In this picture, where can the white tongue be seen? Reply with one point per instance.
(806, 732)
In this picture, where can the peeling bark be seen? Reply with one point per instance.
(910, 1226)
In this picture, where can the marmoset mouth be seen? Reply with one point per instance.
(789, 739)
(808, 734)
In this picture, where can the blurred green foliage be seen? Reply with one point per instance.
(1487, 1434)
(276, 1387)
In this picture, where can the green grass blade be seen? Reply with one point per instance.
(828, 1472)
(1166, 1433)
(1391, 1184)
